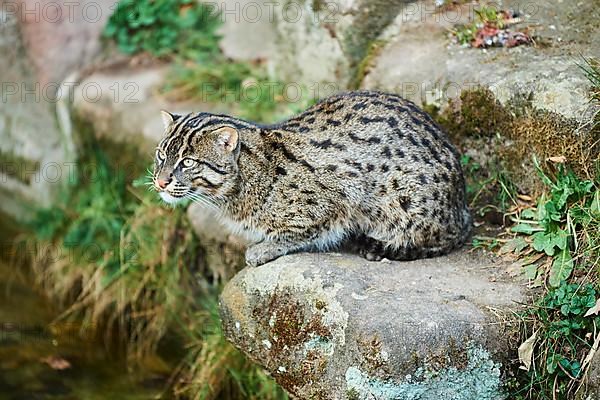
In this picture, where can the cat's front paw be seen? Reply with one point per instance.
(263, 252)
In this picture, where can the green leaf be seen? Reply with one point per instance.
(552, 363)
(561, 268)
(527, 229)
(548, 241)
(529, 214)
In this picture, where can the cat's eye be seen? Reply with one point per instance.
(188, 162)
(160, 155)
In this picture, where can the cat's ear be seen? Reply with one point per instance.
(168, 118)
(227, 138)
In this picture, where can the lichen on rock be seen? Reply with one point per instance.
(334, 326)
(480, 380)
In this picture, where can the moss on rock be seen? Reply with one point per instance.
(476, 113)
(517, 132)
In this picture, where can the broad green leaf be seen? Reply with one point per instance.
(543, 242)
(561, 268)
(548, 241)
(527, 229)
(562, 200)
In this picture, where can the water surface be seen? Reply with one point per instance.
(44, 359)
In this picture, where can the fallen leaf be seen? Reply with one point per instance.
(595, 207)
(525, 197)
(558, 159)
(593, 350)
(57, 363)
(594, 310)
(516, 39)
(526, 352)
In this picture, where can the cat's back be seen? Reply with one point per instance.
(370, 130)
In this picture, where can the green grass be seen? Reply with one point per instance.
(591, 69)
(113, 270)
(488, 187)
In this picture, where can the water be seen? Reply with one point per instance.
(37, 361)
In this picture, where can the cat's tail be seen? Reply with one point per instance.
(467, 227)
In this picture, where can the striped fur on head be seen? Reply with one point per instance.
(197, 156)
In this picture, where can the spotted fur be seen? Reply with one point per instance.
(364, 165)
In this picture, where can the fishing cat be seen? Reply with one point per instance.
(366, 166)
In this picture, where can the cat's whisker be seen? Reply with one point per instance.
(199, 199)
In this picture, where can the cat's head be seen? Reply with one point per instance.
(197, 156)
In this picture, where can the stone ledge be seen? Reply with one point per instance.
(336, 326)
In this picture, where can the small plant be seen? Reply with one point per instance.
(566, 220)
(564, 335)
(184, 28)
(591, 69)
(558, 244)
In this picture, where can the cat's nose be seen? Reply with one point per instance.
(161, 183)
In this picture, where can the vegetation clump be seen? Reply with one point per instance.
(492, 28)
(558, 246)
(165, 28)
(498, 143)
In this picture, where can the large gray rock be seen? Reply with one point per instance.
(42, 44)
(247, 32)
(419, 61)
(36, 155)
(122, 106)
(62, 36)
(593, 378)
(332, 326)
(316, 44)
